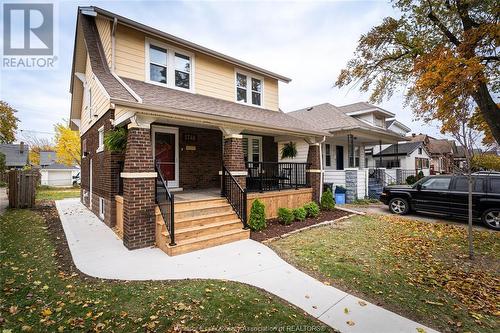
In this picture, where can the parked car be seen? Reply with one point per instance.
(448, 195)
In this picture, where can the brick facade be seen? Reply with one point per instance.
(233, 157)
(105, 167)
(138, 193)
(199, 168)
(314, 177)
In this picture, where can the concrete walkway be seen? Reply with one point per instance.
(98, 252)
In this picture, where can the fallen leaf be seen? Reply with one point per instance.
(350, 323)
(362, 303)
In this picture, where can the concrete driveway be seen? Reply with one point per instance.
(379, 209)
(98, 252)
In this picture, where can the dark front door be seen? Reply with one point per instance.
(165, 151)
(339, 157)
(434, 195)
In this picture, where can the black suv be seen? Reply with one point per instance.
(447, 194)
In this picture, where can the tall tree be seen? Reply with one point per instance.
(443, 52)
(8, 123)
(67, 145)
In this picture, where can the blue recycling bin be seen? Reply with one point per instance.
(340, 198)
(340, 195)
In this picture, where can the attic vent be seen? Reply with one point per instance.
(310, 108)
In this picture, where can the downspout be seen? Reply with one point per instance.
(321, 167)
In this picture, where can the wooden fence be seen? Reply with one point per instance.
(22, 188)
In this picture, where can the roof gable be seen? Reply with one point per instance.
(16, 155)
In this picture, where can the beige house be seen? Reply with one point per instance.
(202, 136)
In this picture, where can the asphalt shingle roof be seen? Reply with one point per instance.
(152, 94)
(59, 166)
(13, 155)
(402, 149)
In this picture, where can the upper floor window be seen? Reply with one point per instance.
(420, 150)
(248, 89)
(169, 66)
(100, 137)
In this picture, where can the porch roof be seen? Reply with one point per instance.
(330, 118)
(174, 101)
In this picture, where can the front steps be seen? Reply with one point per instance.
(200, 224)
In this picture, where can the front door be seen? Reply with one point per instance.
(340, 157)
(166, 153)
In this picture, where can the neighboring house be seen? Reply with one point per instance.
(47, 158)
(407, 156)
(56, 174)
(352, 128)
(193, 116)
(16, 155)
(442, 153)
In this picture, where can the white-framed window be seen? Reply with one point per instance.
(328, 155)
(357, 155)
(169, 66)
(100, 135)
(252, 148)
(420, 150)
(84, 147)
(87, 100)
(249, 89)
(101, 208)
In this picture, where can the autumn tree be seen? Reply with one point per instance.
(444, 54)
(36, 145)
(67, 145)
(8, 123)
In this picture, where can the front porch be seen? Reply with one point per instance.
(188, 186)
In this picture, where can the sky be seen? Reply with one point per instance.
(308, 41)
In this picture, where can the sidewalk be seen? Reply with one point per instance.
(98, 252)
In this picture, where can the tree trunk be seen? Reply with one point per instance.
(489, 110)
(469, 231)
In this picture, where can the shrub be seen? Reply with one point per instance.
(285, 216)
(257, 219)
(300, 214)
(312, 209)
(327, 202)
(411, 180)
(420, 175)
(3, 184)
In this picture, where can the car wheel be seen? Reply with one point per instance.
(491, 218)
(399, 206)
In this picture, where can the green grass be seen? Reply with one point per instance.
(417, 269)
(54, 193)
(37, 295)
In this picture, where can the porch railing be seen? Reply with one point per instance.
(166, 202)
(272, 176)
(235, 195)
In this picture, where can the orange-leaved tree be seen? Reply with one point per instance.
(442, 53)
(68, 148)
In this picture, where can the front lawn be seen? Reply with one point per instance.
(43, 292)
(54, 193)
(417, 269)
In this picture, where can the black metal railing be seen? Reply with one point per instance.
(235, 195)
(272, 176)
(166, 202)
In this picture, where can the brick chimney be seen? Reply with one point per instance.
(21, 147)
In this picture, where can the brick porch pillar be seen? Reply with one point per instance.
(314, 170)
(233, 157)
(139, 179)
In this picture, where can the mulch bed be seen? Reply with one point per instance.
(275, 229)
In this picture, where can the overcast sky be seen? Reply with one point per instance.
(309, 42)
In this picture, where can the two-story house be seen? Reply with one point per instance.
(199, 124)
